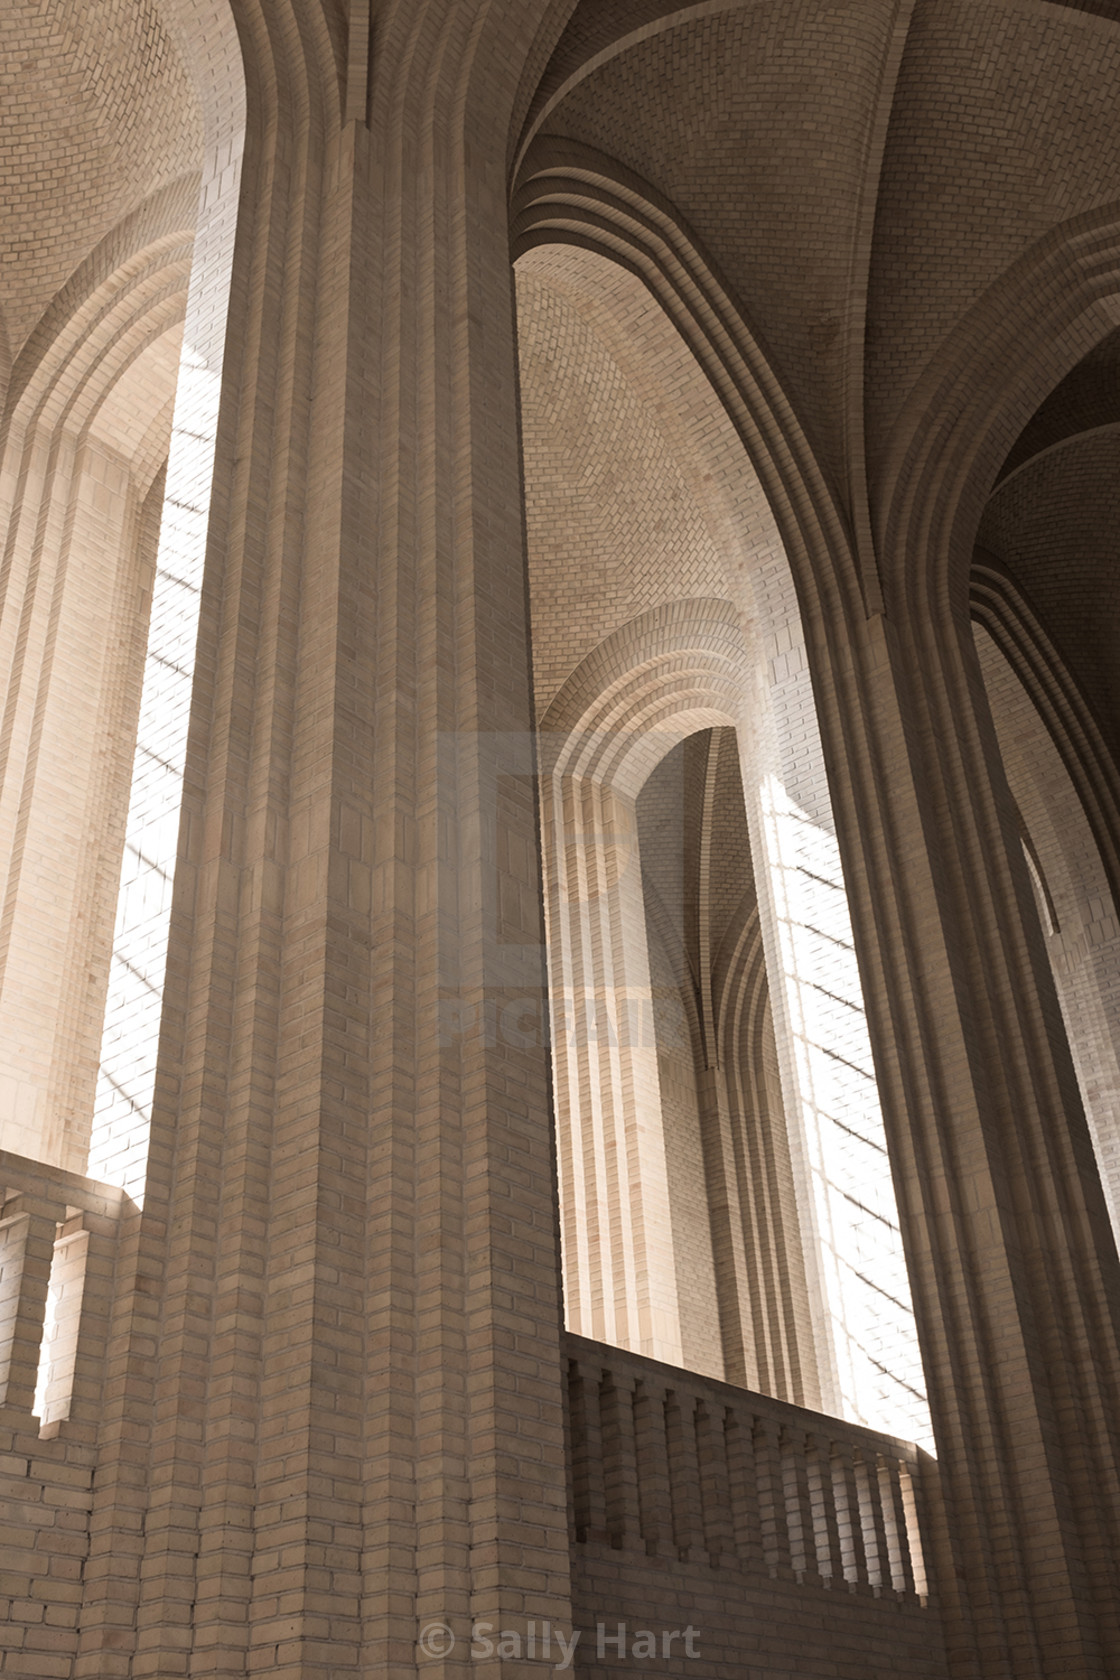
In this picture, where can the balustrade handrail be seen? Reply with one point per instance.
(670, 1463)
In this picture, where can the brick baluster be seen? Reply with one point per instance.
(620, 1464)
(894, 1514)
(587, 1453)
(795, 1480)
(654, 1496)
(714, 1490)
(742, 1481)
(849, 1519)
(822, 1497)
(874, 1525)
(684, 1475)
(771, 1500)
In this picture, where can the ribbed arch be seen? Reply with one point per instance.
(1014, 628)
(157, 236)
(682, 668)
(676, 670)
(563, 75)
(615, 729)
(570, 194)
(962, 417)
(955, 430)
(97, 630)
(87, 437)
(1064, 786)
(573, 205)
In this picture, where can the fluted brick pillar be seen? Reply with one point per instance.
(342, 1419)
(1011, 1260)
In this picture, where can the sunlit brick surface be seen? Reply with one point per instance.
(130, 1041)
(817, 313)
(111, 117)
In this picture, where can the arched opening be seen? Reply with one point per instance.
(115, 318)
(116, 315)
(744, 1294)
(726, 1196)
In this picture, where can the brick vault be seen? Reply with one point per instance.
(559, 839)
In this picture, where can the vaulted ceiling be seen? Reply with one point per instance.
(99, 113)
(861, 174)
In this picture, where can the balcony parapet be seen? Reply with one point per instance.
(668, 1464)
(58, 1251)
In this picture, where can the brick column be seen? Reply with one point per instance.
(350, 1227)
(1013, 1269)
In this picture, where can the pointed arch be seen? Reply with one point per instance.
(774, 1182)
(569, 193)
(117, 381)
(972, 401)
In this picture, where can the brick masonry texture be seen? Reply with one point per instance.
(102, 115)
(493, 494)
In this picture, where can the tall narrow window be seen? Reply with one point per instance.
(104, 492)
